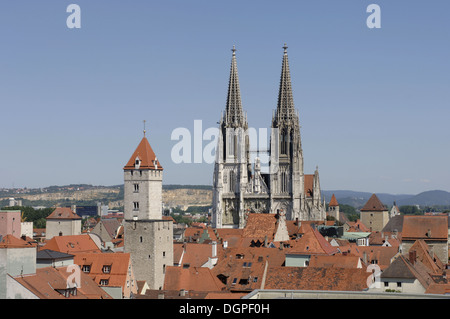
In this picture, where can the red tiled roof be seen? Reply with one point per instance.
(47, 280)
(196, 255)
(425, 227)
(72, 244)
(374, 204)
(10, 241)
(146, 155)
(63, 213)
(119, 262)
(260, 225)
(311, 242)
(193, 278)
(335, 261)
(309, 185)
(333, 201)
(316, 278)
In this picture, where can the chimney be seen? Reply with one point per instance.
(412, 256)
(214, 249)
(265, 241)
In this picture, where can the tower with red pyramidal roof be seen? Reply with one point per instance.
(148, 237)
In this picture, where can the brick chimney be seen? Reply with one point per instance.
(412, 256)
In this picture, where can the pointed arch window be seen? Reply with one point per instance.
(283, 142)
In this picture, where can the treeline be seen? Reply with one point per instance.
(29, 214)
(414, 210)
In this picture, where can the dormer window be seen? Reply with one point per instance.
(106, 269)
(137, 163)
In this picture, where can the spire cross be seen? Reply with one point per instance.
(234, 49)
(285, 48)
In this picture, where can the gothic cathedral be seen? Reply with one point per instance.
(240, 188)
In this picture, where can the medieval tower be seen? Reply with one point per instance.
(148, 237)
(240, 187)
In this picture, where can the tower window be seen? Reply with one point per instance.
(136, 205)
(136, 188)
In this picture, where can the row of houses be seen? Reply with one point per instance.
(408, 255)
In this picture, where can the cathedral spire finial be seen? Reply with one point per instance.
(144, 128)
(234, 49)
(285, 48)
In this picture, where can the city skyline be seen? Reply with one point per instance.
(373, 103)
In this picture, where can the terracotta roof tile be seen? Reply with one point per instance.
(63, 213)
(145, 154)
(10, 241)
(333, 201)
(193, 278)
(260, 225)
(425, 227)
(72, 244)
(316, 278)
(336, 261)
(309, 185)
(117, 273)
(374, 204)
(47, 280)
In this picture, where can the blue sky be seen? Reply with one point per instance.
(373, 103)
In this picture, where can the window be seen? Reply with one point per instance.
(136, 205)
(399, 284)
(234, 281)
(386, 284)
(104, 282)
(86, 268)
(106, 269)
(136, 188)
(243, 281)
(164, 254)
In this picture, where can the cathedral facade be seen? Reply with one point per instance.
(239, 185)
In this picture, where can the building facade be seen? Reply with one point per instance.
(148, 237)
(240, 187)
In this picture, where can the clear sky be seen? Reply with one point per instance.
(373, 103)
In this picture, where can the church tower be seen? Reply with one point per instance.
(148, 237)
(232, 165)
(286, 155)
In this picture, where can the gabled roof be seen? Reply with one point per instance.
(401, 267)
(193, 278)
(63, 213)
(72, 244)
(10, 241)
(145, 154)
(311, 242)
(118, 262)
(45, 283)
(196, 255)
(374, 204)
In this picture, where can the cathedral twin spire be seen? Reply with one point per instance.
(234, 115)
